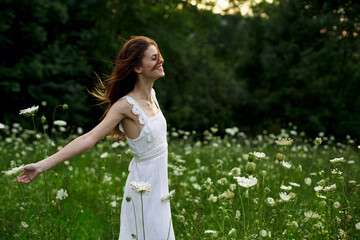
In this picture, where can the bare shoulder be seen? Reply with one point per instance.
(122, 106)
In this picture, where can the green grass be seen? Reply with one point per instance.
(197, 170)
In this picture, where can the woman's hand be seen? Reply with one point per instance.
(30, 173)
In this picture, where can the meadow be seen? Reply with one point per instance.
(274, 186)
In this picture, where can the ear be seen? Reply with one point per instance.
(138, 70)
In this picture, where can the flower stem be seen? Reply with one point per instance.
(137, 235)
(242, 206)
(142, 213)
(32, 117)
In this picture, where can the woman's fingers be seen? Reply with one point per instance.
(23, 177)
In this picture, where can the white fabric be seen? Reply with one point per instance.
(148, 165)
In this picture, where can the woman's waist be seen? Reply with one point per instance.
(152, 153)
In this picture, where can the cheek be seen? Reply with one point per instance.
(150, 65)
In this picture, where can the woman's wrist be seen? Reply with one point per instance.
(41, 166)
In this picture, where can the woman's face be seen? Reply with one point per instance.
(151, 64)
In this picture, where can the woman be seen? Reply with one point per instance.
(134, 111)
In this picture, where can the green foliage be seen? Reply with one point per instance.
(207, 196)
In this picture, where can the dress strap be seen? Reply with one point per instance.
(136, 109)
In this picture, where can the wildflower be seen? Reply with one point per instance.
(286, 188)
(168, 196)
(113, 204)
(321, 196)
(141, 186)
(235, 172)
(14, 170)
(280, 157)
(311, 214)
(212, 198)
(246, 182)
(79, 130)
(318, 225)
(115, 144)
(222, 181)
(2, 126)
(65, 106)
(107, 178)
(207, 184)
(232, 131)
(232, 231)
(337, 160)
(259, 155)
(227, 194)
(357, 226)
(317, 141)
(43, 119)
(321, 182)
(237, 215)
(286, 164)
(60, 123)
(284, 142)
(329, 188)
(28, 112)
(61, 194)
(336, 204)
(318, 188)
(263, 233)
(284, 196)
(196, 186)
(336, 171)
(294, 184)
(294, 224)
(24, 225)
(211, 232)
(270, 201)
(250, 167)
(104, 155)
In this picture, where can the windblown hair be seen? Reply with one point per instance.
(123, 77)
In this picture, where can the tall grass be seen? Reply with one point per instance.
(209, 202)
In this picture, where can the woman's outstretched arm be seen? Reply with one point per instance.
(79, 145)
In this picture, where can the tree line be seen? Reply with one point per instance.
(290, 61)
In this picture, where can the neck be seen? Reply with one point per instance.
(143, 88)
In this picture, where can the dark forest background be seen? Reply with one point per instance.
(290, 61)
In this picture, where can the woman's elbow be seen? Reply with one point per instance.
(88, 141)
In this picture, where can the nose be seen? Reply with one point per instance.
(161, 60)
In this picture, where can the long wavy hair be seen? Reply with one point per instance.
(123, 77)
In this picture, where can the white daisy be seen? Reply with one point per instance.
(246, 182)
(141, 186)
(259, 155)
(168, 196)
(284, 142)
(60, 123)
(337, 160)
(270, 201)
(61, 194)
(28, 112)
(14, 170)
(284, 196)
(211, 232)
(286, 164)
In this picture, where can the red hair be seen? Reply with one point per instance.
(123, 77)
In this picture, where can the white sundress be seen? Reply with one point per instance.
(148, 165)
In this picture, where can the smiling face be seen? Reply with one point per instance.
(152, 62)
